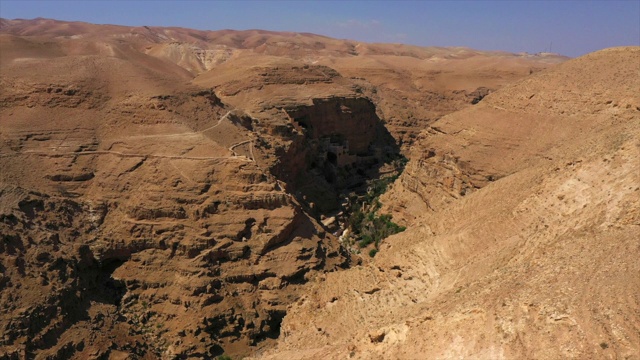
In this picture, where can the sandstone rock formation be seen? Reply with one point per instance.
(161, 188)
(131, 220)
(523, 216)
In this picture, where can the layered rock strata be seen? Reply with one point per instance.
(523, 233)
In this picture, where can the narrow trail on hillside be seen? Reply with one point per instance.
(222, 118)
(125, 155)
(250, 142)
(117, 153)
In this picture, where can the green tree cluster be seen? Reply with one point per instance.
(366, 224)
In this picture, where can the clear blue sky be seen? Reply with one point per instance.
(574, 27)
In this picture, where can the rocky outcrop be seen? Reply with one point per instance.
(452, 160)
(320, 142)
(342, 144)
(349, 122)
(519, 265)
(141, 226)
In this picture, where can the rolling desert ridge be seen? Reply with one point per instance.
(169, 193)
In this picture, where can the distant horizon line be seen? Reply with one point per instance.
(545, 52)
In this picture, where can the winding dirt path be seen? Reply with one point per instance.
(130, 155)
(250, 142)
(121, 154)
(222, 118)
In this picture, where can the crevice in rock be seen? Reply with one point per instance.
(339, 146)
(107, 289)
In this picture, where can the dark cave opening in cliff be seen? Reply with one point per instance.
(341, 146)
(332, 158)
(106, 289)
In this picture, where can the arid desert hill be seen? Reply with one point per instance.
(170, 193)
(411, 86)
(523, 236)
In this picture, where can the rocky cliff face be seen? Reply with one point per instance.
(527, 241)
(451, 161)
(352, 122)
(161, 188)
(180, 274)
(127, 227)
(323, 136)
(344, 143)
